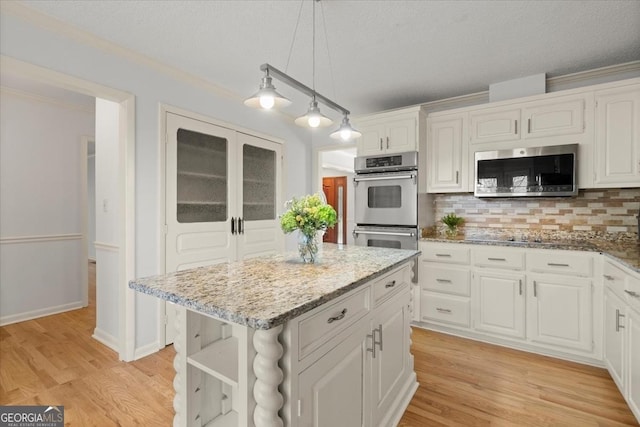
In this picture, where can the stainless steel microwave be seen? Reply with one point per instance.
(527, 172)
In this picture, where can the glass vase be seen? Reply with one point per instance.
(452, 231)
(308, 247)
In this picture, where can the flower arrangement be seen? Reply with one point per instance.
(308, 215)
(452, 221)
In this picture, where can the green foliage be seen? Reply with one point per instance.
(308, 214)
(452, 220)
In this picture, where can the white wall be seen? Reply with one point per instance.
(40, 206)
(21, 37)
(91, 204)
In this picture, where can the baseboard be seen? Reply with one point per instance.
(146, 350)
(106, 339)
(35, 314)
(402, 402)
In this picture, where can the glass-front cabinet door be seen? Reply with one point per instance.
(200, 193)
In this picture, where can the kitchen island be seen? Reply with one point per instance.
(270, 341)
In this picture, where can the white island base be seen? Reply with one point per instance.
(345, 363)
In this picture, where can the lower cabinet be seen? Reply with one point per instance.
(633, 354)
(499, 303)
(614, 337)
(559, 311)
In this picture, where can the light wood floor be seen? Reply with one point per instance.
(54, 361)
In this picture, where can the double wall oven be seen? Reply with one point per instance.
(386, 201)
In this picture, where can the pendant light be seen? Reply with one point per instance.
(345, 132)
(266, 97)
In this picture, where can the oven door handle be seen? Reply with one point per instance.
(385, 233)
(384, 178)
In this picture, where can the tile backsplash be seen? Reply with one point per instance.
(591, 212)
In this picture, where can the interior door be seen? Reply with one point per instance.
(335, 190)
(200, 197)
(258, 231)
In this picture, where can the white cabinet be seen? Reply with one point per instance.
(447, 165)
(499, 303)
(559, 311)
(547, 118)
(633, 361)
(614, 337)
(390, 132)
(617, 155)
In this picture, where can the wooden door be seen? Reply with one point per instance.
(335, 190)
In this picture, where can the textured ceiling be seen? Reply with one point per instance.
(374, 55)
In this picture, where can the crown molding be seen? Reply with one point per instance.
(45, 99)
(57, 26)
(596, 73)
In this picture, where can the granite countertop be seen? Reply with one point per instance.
(625, 251)
(267, 291)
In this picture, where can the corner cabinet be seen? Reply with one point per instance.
(390, 132)
(617, 159)
(447, 154)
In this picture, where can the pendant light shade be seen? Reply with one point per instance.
(266, 97)
(314, 118)
(345, 132)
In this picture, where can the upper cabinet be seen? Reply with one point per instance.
(447, 154)
(617, 157)
(539, 119)
(390, 132)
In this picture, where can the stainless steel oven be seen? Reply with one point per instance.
(386, 237)
(386, 190)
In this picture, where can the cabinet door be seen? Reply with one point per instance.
(499, 303)
(445, 155)
(617, 144)
(560, 311)
(614, 342)
(259, 178)
(200, 193)
(633, 358)
(390, 366)
(401, 136)
(493, 125)
(372, 141)
(332, 390)
(553, 118)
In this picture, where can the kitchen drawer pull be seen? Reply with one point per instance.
(443, 281)
(443, 310)
(554, 264)
(390, 284)
(633, 294)
(444, 255)
(337, 317)
(618, 316)
(496, 259)
(606, 276)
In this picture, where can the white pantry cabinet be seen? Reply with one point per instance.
(390, 132)
(447, 150)
(617, 159)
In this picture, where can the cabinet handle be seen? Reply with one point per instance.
(379, 329)
(535, 289)
(496, 259)
(372, 350)
(443, 280)
(240, 226)
(387, 143)
(633, 294)
(606, 276)
(520, 286)
(338, 316)
(380, 144)
(444, 255)
(233, 225)
(443, 310)
(390, 284)
(618, 316)
(529, 125)
(554, 264)
(516, 127)
(457, 176)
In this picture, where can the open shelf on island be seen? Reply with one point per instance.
(227, 420)
(219, 359)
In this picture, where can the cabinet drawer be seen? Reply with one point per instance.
(444, 308)
(559, 262)
(449, 253)
(614, 278)
(326, 323)
(450, 280)
(507, 258)
(389, 284)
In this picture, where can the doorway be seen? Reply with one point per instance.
(335, 190)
